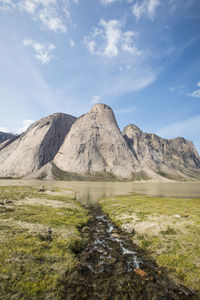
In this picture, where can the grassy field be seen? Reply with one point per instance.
(168, 228)
(39, 235)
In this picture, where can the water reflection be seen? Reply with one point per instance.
(89, 192)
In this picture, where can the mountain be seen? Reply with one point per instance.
(95, 144)
(35, 147)
(172, 158)
(5, 136)
(92, 147)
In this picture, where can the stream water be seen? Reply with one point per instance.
(111, 265)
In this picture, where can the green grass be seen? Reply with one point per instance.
(169, 228)
(96, 176)
(38, 243)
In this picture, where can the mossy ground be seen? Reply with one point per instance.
(168, 228)
(38, 242)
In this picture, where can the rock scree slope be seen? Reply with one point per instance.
(95, 144)
(35, 147)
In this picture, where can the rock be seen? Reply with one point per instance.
(36, 147)
(42, 189)
(95, 144)
(141, 273)
(92, 147)
(5, 136)
(172, 158)
(116, 235)
(177, 216)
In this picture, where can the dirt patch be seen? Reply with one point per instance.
(43, 201)
(153, 224)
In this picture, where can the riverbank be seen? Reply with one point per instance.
(40, 237)
(168, 228)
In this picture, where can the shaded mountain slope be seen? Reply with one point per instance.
(36, 147)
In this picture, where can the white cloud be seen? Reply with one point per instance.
(108, 40)
(48, 17)
(195, 94)
(6, 5)
(95, 99)
(90, 45)
(145, 8)
(128, 43)
(4, 129)
(107, 2)
(112, 37)
(71, 42)
(24, 126)
(43, 52)
(45, 11)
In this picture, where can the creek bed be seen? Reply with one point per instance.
(112, 267)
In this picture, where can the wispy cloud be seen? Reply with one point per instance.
(71, 42)
(195, 93)
(125, 110)
(95, 99)
(45, 11)
(42, 52)
(188, 127)
(181, 89)
(6, 5)
(108, 39)
(145, 8)
(50, 20)
(4, 129)
(107, 2)
(24, 126)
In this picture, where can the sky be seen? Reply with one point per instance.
(141, 57)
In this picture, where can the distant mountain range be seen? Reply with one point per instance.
(92, 147)
(5, 136)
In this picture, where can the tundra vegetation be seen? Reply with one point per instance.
(168, 228)
(39, 234)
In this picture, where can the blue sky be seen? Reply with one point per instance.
(141, 57)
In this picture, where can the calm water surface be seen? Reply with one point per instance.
(90, 192)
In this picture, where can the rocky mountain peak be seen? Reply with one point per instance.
(173, 158)
(35, 147)
(95, 144)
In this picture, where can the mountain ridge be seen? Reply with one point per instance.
(62, 146)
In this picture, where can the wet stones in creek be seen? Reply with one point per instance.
(112, 267)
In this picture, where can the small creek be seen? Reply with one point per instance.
(107, 247)
(113, 267)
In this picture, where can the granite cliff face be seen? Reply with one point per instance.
(93, 147)
(36, 147)
(95, 144)
(5, 136)
(174, 158)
